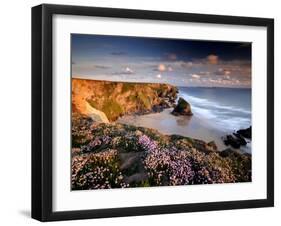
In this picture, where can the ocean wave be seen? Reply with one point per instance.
(207, 103)
(226, 118)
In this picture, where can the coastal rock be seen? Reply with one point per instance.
(213, 145)
(115, 99)
(96, 115)
(230, 140)
(182, 108)
(228, 152)
(247, 133)
(239, 137)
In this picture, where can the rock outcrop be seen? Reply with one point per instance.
(238, 138)
(115, 99)
(247, 133)
(182, 108)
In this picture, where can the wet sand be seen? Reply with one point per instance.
(190, 126)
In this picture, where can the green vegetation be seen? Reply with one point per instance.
(110, 108)
(145, 100)
(127, 86)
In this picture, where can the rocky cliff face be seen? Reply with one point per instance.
(106, 101)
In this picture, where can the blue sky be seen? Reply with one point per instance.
(174, 61)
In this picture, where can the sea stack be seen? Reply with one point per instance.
(182, 108)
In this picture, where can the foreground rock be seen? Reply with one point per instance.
(112, 155)
(182, 108)
(232, 141)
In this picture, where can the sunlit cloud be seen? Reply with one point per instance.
(195, 76)
(188, 64)
(213, 59)
(129, 70)
(161, 67)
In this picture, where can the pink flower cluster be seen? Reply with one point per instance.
(96, 143)
(97, 171)
(172, 166)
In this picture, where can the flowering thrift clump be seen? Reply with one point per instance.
(114, 155)
(96, 143)
(180, 167)
(147, 144)
(97, 171)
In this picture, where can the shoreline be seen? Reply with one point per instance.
(188, 126)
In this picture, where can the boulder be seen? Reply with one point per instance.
(230, 140)
(213, 145)
(229, 152)
(239, 137)
(182, 108)
(247, 133)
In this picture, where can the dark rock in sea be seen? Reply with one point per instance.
(247, 133)
(241, 140)
(230, 140)
(182, 108)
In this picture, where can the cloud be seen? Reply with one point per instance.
(101, 67)
(161, 67)
(203, 73)
(119, 53)
(195, 76)
(222, 71)
(188, 64)
(213, 59)
(129, 70)
(171, 56)
(125, 71)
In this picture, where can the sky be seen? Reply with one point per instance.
(158, 60)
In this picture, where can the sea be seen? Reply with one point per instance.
(227, 109)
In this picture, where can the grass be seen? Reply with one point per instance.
(145, 100)
(127, 87)
(110, 108)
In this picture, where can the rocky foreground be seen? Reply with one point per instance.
(112, 155)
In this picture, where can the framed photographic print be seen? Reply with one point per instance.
(146, 112)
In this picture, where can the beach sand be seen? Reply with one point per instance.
(190, 126)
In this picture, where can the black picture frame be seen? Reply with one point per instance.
(42, 111)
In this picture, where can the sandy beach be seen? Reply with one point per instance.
(190, 126)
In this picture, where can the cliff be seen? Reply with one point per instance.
(106, 101)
